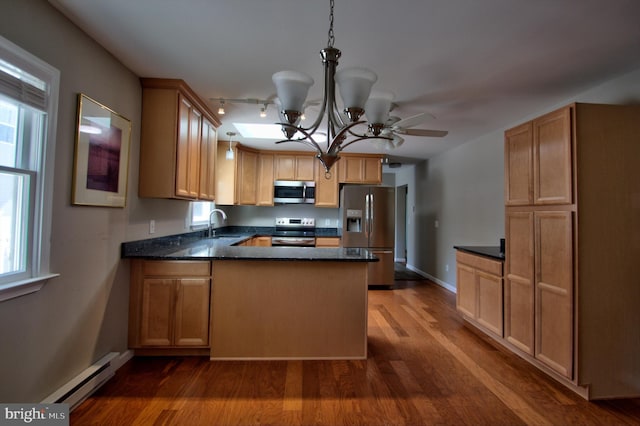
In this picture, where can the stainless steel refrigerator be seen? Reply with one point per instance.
(368, 220)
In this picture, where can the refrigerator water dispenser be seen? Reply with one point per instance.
(354, 220)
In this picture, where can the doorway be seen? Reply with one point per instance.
(401, 224)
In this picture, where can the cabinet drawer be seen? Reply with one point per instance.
(179, 268)
(480, 262)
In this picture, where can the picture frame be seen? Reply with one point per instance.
(101, 158)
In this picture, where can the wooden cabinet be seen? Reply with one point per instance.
(264, 195)
(237, 179)
(169, 304)
(328, 242)
(479, 290)
(208, 154)
(247, 178)
(290, 166)
(327, 188)
(360, 168)
(259, 241)
(538, 168)
(174, 120)
(571, 293)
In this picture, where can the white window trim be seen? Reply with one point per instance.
(42, 228)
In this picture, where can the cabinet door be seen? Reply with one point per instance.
(519, 279)
(192, 312)
(490, 301)
(208, 148)
(552, 169)
(264, 197)
(381, 272)
(157, 312)
(554, 290)
(372, 170)
(327, 190)
(466, 296)
(518, 171)
(188, 149)
(351, 169)
(328, 242)
(305, 167)
(284, 167)
(247, 177)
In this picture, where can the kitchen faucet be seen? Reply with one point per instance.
(212, 232)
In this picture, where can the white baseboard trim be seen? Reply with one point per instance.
(441, 283)
(75, 391)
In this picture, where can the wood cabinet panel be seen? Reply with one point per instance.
(490, 303)
(466, 296)
(192, 312)
(327, 241)
(554, 290)
(264, 196)
(552, 169)
(327, 189)
(208, 154)
(156, 312)
(518, 156)
(247, 177)
(519, 279)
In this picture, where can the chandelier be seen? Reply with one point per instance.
(355, 90)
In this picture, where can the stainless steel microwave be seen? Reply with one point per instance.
(294, 192)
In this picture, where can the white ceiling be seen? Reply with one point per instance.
(476, 65)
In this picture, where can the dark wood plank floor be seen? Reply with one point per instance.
(425, 367)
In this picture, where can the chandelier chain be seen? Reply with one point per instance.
(332, 38)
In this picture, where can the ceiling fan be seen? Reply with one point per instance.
(394, 127)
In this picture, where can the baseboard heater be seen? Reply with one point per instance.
(84, 384)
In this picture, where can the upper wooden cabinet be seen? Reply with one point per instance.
(327, 188)
(237, 179)
(538, 156)
(360, 168)
(177, 133)
(264, 190)
(294, 167)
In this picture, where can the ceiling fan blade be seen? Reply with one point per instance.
(424, 132)
(414, 120)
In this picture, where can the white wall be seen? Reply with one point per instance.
(463, 189)
(46, 338)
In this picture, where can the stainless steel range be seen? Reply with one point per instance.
(294, 232)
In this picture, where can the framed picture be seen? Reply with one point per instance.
(101, 159)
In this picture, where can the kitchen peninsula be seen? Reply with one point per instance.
(209, 296)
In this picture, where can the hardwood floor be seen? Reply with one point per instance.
(425, 367)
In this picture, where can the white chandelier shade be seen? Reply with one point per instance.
(378, 106)
(292, 88)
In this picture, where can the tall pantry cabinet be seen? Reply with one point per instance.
(572, 229)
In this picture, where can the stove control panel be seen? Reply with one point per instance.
(307, 222)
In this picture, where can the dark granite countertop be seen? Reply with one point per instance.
(195, 246)
(488, 251)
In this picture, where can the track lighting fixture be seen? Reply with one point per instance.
(221, 108)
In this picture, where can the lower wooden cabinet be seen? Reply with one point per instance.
(479, 291)
(328, 242)
(169, 304)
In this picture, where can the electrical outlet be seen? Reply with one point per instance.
(436, 223)
(446, 267)
(152, 226)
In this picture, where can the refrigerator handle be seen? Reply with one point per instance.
(371, 209)
(366, 214)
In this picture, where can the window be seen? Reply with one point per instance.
(200, 211)
(28, 104)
